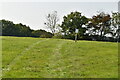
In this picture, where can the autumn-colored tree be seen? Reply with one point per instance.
(99, 25)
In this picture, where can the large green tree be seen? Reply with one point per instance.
(74, 20)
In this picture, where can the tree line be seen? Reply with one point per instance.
(20, 30)
(100, 27)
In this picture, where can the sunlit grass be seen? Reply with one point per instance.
(57, 58)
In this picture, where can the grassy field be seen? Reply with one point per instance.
(58, 58)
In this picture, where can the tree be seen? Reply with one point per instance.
(99, 25)
(72, 21)
(22, 30)
(7, 28)
(116, 25)
(51, 22)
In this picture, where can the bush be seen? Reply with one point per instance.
(58, 36)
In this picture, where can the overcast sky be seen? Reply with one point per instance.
(33, 13)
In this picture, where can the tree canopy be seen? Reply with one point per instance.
(74, 20)
(11, 29)
(99, 25)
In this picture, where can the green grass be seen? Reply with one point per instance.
(58, 58)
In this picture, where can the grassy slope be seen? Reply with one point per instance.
(56, 58)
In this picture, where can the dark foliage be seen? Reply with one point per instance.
(20, 30)
(101, 27)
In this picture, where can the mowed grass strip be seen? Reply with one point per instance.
(34, 61)
(57, 58)
(14, 46)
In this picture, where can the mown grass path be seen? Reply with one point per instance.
(18, 56)
(58, 58)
